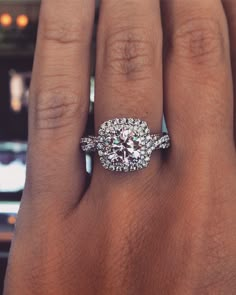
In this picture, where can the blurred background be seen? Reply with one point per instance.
(18, 30)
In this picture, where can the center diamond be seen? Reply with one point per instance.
(125, 147)
(123, 144)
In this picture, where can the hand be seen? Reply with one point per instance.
(167, 229)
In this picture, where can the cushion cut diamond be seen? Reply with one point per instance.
(125, 147)
(122, 148)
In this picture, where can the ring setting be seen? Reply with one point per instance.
(125, 144)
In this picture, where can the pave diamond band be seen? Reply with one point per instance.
(125, 144)
(156, 142)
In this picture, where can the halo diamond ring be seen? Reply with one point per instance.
(125, 144)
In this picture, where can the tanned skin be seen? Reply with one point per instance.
(169, 229)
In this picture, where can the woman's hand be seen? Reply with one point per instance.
(167, 229)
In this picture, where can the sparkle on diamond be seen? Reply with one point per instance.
(125, 147)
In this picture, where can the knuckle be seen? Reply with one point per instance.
(129, 53)
(56, 110)
(62, 32)
(200, 41)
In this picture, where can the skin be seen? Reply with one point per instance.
(168, 229)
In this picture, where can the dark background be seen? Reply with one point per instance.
(13, 126)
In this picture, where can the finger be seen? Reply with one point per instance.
(129, 63)
(198, 80)
(230, 9)
(59, 101)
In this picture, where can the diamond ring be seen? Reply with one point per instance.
(125, 144)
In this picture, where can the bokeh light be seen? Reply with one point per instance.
(6, 20)
(11, 220)
(22, 21)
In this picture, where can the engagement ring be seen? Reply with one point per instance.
(125, 144)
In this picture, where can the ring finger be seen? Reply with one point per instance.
(129, 65)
